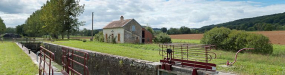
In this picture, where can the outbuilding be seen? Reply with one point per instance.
(126, 31)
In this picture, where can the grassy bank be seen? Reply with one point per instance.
(13, 61)
(128, 50)
(247, 64)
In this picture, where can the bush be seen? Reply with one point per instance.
(162, 38)
(236, 40)
(260, 43)
(84, 40)
(99, 37)
(216, 36)
(111, 39)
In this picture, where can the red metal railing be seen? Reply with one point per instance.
(190, 55)
(45, 53)
(228, 63)
(68, 61)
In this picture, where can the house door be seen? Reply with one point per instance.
(143, 36)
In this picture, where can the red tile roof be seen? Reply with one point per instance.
(117, 24)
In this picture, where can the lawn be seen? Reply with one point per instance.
(140, 51)
(13, 61)
(247, 63)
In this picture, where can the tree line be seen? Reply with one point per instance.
(181, 30)
(262, 23)
(56, 17)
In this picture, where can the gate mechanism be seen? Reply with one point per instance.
(187, 55)
(70, 59)
(230, 64)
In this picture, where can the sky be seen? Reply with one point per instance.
(154, 13)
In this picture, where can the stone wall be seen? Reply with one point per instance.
(133, 36)
(106, 64)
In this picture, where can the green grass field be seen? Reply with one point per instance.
(247, 63)
(13, 61)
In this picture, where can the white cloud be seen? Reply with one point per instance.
(15, 12)
(159, 13)
(176, 13)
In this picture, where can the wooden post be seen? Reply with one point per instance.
(92, 28)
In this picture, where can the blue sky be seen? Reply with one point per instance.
(155, 13)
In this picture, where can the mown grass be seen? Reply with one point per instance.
(13, 61)
(115, 49)
(247, 63)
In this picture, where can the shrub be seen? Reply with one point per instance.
(99, 37)
(233, 40)
(84, 40)
(111, 39)
(216, 36)
(236, 40)
(162, 38)
(260, 43)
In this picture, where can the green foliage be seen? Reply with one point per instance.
(181, 30)
(262, 23)
(260, 43)
(10, 30)
(19, 30)
(148, 28)
(87, 32)
(162, 38)
(233, 40)
(99, 36)
(216, 36)
(54, 18)
(164, 30)
(185, 30)
(84, 40)
(111, 39)
(2, 26)
(173, 31)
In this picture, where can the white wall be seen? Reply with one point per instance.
(116, 32)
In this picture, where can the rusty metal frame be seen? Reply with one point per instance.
(68, 61)
(183, 53)
(45, 53)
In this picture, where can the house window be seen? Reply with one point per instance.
(133, 28)
(119, 37)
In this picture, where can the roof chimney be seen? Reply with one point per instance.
(122, 18)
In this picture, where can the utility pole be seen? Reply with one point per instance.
(92, 28)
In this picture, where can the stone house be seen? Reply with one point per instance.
(126, 31)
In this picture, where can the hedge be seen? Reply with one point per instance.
(233, 40)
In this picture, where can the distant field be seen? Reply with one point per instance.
(276, 37)
(13, 61)
(247, 63)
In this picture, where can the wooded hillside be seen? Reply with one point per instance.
(261, 23)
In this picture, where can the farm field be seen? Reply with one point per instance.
(276, 37)
(13, 61)
(247, 63)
